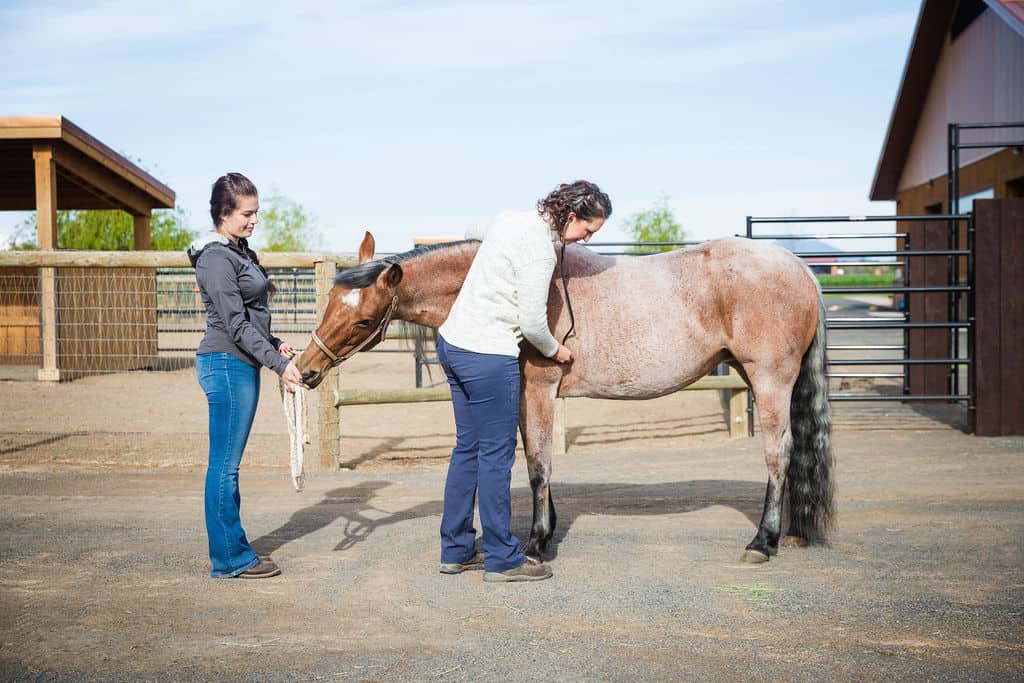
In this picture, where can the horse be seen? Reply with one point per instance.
(645, 326)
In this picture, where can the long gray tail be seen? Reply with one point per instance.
(809, 477)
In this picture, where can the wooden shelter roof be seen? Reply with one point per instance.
(89, 174)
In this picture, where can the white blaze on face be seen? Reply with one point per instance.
(351, 299)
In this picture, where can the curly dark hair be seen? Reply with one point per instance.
(582, 197)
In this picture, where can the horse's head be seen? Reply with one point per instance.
(359, 308)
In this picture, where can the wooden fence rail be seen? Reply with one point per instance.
(734, 387)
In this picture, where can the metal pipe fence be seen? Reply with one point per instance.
(897, 321)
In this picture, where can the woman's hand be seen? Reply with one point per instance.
(286, 350)
(563, 355)
(292, 378)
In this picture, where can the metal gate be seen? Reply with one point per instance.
(914, 289)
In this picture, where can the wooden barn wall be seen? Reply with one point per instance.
(19, 317)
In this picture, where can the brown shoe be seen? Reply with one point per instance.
(264, 569)
(531, 570)
(475, 562)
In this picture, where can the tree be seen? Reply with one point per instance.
(285, 226)
(657, 224)
(111, 230)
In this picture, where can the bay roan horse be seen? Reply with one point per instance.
(644, 327)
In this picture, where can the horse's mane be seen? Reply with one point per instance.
(365, 274)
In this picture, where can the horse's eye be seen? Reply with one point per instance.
(364, 323)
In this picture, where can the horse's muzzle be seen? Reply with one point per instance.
(312, 378)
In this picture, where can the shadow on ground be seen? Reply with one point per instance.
(355, 506)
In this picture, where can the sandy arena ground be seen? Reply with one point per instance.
(104, 570)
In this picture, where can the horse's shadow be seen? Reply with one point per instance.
(576, 500)
(355, 506)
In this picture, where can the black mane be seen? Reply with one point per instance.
(365, 274)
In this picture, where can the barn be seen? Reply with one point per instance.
(954, 145)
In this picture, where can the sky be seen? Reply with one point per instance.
(416, 119)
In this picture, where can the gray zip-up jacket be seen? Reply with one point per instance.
(234, 291)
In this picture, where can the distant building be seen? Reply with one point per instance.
(822, 265)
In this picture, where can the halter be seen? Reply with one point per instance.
(382, 329)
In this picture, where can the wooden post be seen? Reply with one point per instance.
(558, 433)
(328, 416)
(46, 233)
(737, 416)
(143, 240)
(999, 314)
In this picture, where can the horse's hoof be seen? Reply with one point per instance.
(751, 556)
(794, 542)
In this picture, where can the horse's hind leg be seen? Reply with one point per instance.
(773, 389)
(536, 418)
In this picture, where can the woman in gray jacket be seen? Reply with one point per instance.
(235, 290)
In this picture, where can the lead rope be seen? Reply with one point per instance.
(568, 303)
(295, 414)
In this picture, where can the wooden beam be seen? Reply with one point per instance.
(109, 185)
(559, 433)
(157, 259)
(46, 196)
(328, 417)
(736, 399)
(49, 372)
(143, 240)
(28, 127)
(364, 397)
(46, 232)
(158, 194)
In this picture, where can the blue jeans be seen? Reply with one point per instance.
(232, 389)
(485, 395)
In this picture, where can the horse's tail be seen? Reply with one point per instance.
(809, 477)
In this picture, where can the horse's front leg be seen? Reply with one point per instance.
(536, 420)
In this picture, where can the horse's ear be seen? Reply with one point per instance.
(367, 248)
(391, 276)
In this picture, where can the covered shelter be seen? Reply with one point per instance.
(47, 163)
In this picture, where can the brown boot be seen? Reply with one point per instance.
(531, 570)
(475, 562)
(264, 569)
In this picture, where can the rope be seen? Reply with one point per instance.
(295, 413)
(565, 288)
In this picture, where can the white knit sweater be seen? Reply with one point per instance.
(505, 295)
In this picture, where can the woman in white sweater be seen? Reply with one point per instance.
(502, 302)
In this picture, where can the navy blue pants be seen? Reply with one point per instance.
(485, 395)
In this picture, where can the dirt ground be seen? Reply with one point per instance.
(103, 568)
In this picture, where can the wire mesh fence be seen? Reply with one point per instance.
(119, 319)
(121, 333)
